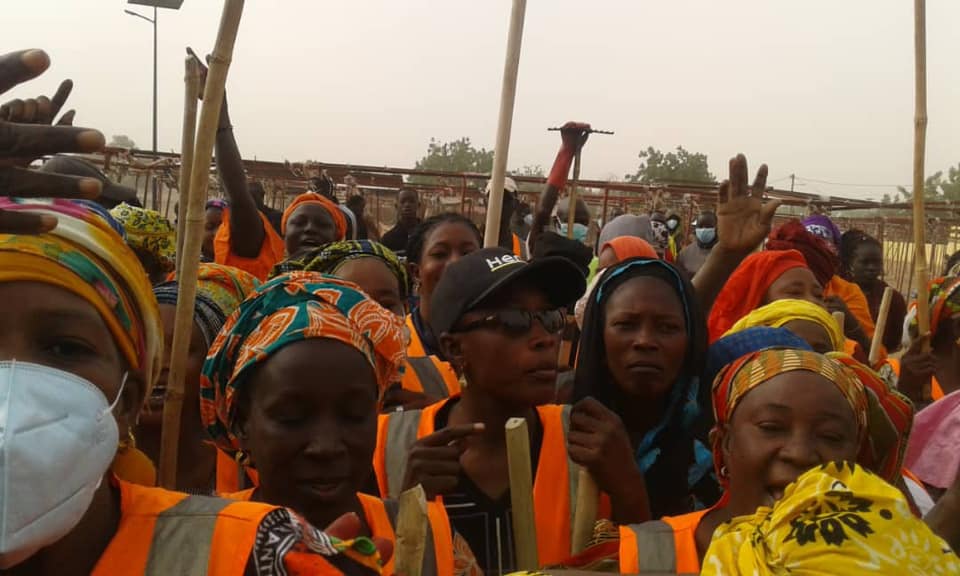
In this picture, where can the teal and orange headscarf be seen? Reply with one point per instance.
(287, 309)
(85, 256)
(752, 370)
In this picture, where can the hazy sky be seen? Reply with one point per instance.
(819, 88)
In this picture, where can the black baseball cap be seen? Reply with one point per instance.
(111, 193)
(472, 279)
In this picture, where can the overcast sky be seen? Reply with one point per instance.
(819, 88)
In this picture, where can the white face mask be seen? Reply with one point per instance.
(57, 438)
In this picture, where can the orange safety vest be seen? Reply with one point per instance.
(229, 473)
(936, 392)
(163, 532)
(272, 250)
(554, 485)
(667, 546)
(381, 517)
(518, 247)
(427, 374)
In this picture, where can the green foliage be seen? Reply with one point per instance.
(455, 156)
(938, 187)
(679, 166)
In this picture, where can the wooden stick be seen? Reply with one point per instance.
(411, 532)
(572, 202)
(585, 516)
(199, 178)
(839, 319)
(881, 326)
(508, 93)
(919, 145)
(191, 83)
(521, 494)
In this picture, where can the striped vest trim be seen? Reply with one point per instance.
(401, 435)
(655, 547)
(431, 380)
(183, 535)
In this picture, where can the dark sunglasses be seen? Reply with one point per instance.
(519, 322)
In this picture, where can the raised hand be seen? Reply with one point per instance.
(574, 135)
(743, 218)
(19, 141)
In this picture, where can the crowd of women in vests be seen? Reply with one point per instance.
(732, 425)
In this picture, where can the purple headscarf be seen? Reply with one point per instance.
(823, 227)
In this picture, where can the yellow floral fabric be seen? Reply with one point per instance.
(837, 518)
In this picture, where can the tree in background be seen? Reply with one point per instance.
(678, 166)
(122, 141)
(455, 156)
(938, 187)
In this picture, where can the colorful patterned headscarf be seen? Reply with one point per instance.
(747, 286)
(780, 312)
(339, 220)
(837, 518)
(287, 309)
(944, 304)
(328, 260)
(220, 290)
(150, 232)
(85, 256)
(823, 227)
(750, 371)
(737, 344)
(889, 421)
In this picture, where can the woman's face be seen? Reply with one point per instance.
(374, 277)
(798, 284)
(310, 226)
(212, 220)
(312, 438)
(781, 429)
(645, 337)
(445, 243)
(153, 408)
(814, 334)
(867, 264)
(518, 369)
(47, 325)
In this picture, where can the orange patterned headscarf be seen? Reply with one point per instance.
(339, 221)
(752, 370)
(290, 308)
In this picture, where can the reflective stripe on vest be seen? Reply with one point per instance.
(655, 547)
(401, 435)
(182, 536)
(431, 380)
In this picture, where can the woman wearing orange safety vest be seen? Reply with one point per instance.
(83, 346)
(436, 242)
(499, 320)
(311, 438)
(820, 417)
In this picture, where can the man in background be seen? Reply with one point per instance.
(693, 256)
(408, 217)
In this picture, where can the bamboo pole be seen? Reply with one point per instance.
(585, 516)
(919, 145)
(572, 201)
(521, 494)
(881, 326)
(191, 82)
(508, 93)
(199, 178)
(411, 532)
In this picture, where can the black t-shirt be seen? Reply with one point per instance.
(485, 523)
(396, 238)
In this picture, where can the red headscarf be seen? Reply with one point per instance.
(820, 259)
(339, 221)
(626, 247)
(746, 287)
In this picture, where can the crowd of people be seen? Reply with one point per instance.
(731, 424)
